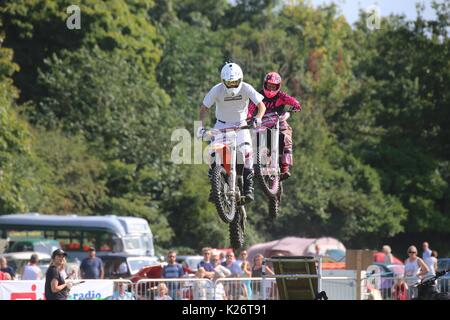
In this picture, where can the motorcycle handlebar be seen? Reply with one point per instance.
(432, 279)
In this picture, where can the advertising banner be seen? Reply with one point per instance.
(34, 290)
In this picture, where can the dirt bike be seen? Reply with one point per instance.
(227, 182)
(427, 289)
(267, 166)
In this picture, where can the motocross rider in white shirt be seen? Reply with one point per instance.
(231, 98)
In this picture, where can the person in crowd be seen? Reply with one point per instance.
(32, 271)
(246, 273)
(257, 266)
(222, 257)
(163, 292)
(246, 269)
(5, 268)
(172, 270)
(120, 291)
(318, 251)
(400, 289)
(56, 286)
(219, 289)
(257, 273)
(232, 265)
(120, 269)
(206, 263)
(415, 269)
(426, 251)
(243, 256)
(201, 287)
(215, 259)
(388, 257)
(92, 266)
(432, 262)
(5, 276)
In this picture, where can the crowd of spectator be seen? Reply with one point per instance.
(216, 265)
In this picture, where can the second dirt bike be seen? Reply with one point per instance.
(267, 167)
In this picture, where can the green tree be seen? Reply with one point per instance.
(14, 138)
(116, 25)
(109, 101)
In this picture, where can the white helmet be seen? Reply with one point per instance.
(232, 76)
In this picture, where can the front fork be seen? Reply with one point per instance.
(274, 147)
(227, 157)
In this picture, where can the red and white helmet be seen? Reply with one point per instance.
(274, 79)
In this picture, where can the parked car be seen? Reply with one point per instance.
(125, 266)
(444, 282)
(189, 262)
(148, 289)
(18, 260)
(36, 245)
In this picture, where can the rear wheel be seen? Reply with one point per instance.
(270, 183)
(224, 202)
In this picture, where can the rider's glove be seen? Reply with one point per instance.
(257, 122)
(200, 132)
(69, 284)
(288, 108)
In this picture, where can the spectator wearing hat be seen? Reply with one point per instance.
(32, 271)
(56, 287)
(92, 266)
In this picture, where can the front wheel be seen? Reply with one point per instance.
(274, 204)
(237, 229)
(225, 202)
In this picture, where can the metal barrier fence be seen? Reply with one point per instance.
(174, 289)
(390, 288)
(246, 289)
(205, 289)
(337, 288)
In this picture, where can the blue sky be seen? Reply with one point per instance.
(350, 8)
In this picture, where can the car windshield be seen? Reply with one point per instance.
(443, 264)
(193, 262)
(137, 264)
(132, 243)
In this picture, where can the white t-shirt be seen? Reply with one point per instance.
(231, 108)
(31, 272)
(430, 263)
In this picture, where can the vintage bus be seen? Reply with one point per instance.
(75, 234)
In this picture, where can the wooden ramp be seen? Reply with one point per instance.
(295, 288)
